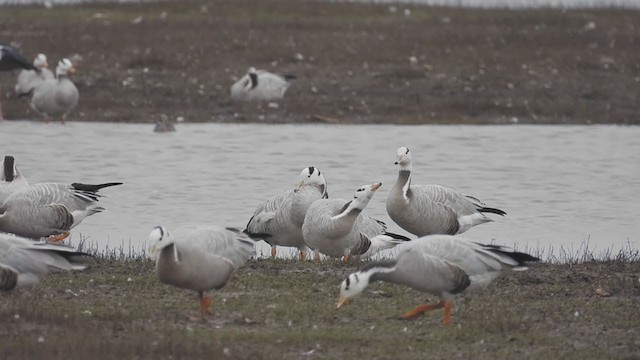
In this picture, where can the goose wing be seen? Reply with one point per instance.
(228, 243)
(270, 215)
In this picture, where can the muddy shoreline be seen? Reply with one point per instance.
(355, 63)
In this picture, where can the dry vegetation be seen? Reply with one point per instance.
(275, 309)
(138, 61)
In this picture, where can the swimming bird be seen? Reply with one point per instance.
(278, 221)
(337, 227)
(24, 262)
(11, 59)
(442, 265)
(10, 178)
(432, 209)
(28, 80)
(49, 209)
(260, 85)
(200, 258)
(56, 97)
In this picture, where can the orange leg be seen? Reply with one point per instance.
(273, 251)
(302, 255)
(422, 308)
(205, 303)
(59, 237)
(346, 258)
(316, 255)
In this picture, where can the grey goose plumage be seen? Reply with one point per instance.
(56, 97)
(200, 258)
(29, 80)
(11, 180)
(278, 221)
(442, 265)
(432, 209)
(260, 85)
(12, 59)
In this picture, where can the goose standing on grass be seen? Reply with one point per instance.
(200, 258)
(278, 221)
(49, 209)
(11, 59)
(28, 80)
(442, 265)
(260, 85)
(56, 97)
(432, 209)
(10, 179)
(24, 262)
(337, 227)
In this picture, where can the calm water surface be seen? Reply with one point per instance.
(560, 185)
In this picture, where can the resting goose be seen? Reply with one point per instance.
(49, 209)
(56, 97)
(337, 227)
(432, 209)
(28, 80)
(10, 179)
(11, 59)
(24, 262)
(442, 265)
(260, 85)
(278, 221)
(200, 258)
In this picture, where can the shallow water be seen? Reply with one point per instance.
(560, 185)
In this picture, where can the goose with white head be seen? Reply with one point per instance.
(260, 85)
(50, 209)
(442, 265)
(337, 227)
(29, 80)
(278, 221)
(11, 180)
(432, 209)
(199, 258)
(56, 97)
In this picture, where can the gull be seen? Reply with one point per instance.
(11, 59)
(442, 265)
(49, 209)
(278, 221)
(24, 262)
(432, 209)
(10, 178)
(337, 227)
(56, 97)
(28, 80)
(260, 85)
(200, 258)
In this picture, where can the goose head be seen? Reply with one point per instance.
(403, 158)
(364, 194)
(41, 61)
(65, 67)
(311, 176)
(9, 169)
(352, 286)
(160, 238)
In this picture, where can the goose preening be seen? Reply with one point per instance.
(442, 265)
(260, 85)
(278, 221)
(337, 227)
(28, 80)
(200, 258)
(11, 59)
(24, 262)
(56, 97)
(49, 209)
(11, 180)
(432, 209)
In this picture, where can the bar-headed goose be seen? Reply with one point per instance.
(10, 178)
(260, 85)
(200, 258)
(56, 97)
(432, 209)
(11, 59)
(442, 265)
(49, 209)
(24, 262)
(278, 221)
(28, 80)
(337, 227)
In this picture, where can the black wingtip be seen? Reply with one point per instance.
(491, 210)
(398, 236)
(93, 188)
(289, 76)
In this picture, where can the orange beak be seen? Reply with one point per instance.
(375, 186)
(342, 301)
